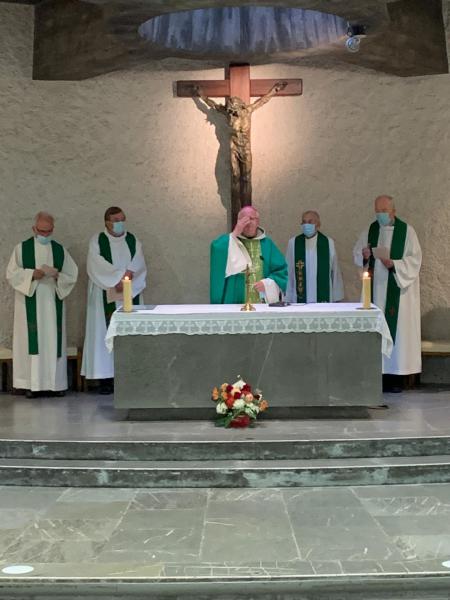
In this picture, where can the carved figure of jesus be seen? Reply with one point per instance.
(238, 115)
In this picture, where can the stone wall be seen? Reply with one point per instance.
(74, 148)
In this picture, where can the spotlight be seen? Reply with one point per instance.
(353, 44)
(355, 34)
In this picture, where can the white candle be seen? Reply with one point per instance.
(127, 295)
(366, 291)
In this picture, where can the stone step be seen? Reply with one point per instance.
(232, 473)
(370, 586)
(233, 449)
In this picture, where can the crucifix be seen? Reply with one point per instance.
(238, 88)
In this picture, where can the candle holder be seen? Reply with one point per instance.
(248, 306)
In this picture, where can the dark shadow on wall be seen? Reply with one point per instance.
(222, 168)
(436, 324)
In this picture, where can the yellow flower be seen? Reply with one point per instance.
(215, 394)
(224, 396)
(263, 405)
(223, 387)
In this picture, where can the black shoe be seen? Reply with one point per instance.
(30, 394)
(105, 389)
(395, 389)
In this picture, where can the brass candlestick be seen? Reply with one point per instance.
(248, 306)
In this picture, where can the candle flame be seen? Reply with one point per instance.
(366, 275)
(126, 278)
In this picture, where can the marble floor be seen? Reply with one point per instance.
(214, 533)
(209, 533)
(91, 417)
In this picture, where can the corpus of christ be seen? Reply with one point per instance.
(225, 349)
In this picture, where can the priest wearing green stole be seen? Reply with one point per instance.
(314, 274)
(43, 274)
(249, 246)
(113, 254)
(391, 252)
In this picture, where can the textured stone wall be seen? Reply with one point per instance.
(76, 148)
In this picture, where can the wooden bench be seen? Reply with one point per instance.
(432, 349)
(437, 348)
(73, 354)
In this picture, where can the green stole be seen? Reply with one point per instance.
(397, 250)
(323, 268)
(105, 252)
(29, 262)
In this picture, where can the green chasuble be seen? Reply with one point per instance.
(29, 262)
(105, 252)
(231, 290)
(323, 268)
(396, 253)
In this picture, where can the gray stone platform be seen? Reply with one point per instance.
(167, 375)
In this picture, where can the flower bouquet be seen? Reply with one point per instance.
(237, 405)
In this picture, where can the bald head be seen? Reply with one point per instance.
(385, 204)
(44, 217)
(44, 224)
(248, 222)
(311, 216)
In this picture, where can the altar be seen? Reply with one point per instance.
(169, 357)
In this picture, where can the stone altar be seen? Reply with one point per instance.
(168, 358)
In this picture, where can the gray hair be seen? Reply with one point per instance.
(311, 212)
(390, 198)
(44, 216)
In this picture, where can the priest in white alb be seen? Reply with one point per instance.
(246, 246)
(113, 254)
(42, 274)
(313, 270)
(390, 251)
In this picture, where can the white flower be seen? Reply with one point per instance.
(239, 384)
(221, 408)
(239, 404)
(252, 410)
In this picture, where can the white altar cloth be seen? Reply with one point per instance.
(222, 319)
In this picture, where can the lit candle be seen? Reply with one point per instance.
(366, 291)
(127, 295)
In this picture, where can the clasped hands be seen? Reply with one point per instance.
(119, 286)
(387, 262)
(45, 271)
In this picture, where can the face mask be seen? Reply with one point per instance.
(118, 227)
(383, 218)
(42, 239)
(309, 229)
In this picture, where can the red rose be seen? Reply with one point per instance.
(237, 395)
(229, 388)
(229, 402)
(246, 388)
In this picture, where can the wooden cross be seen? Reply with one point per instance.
(238, 84)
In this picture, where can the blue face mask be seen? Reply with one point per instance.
(309, 229)
(118, 227)
(383, 218)
(44, 240)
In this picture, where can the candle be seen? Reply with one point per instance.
(366, 291)
(127, 295)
